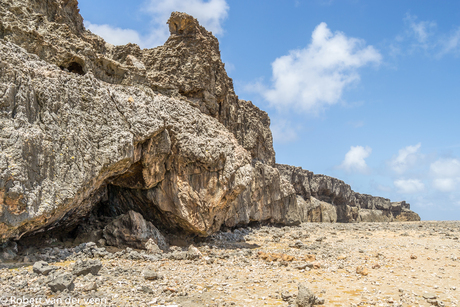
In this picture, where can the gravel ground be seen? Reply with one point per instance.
(394, 264)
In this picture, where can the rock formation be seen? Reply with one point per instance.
(322, 198)
(160, 131)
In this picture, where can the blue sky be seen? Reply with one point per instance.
(365, 91)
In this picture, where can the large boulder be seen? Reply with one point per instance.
(131, 229)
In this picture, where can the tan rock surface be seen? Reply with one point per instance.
(159, 131)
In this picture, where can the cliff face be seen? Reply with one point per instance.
(159, 131)
(327, 199)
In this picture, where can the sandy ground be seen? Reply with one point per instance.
(395, 264)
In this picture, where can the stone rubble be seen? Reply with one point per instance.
(254, 266)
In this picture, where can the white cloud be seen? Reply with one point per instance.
(409, 186)
(421, 30)
(446, 173)
(355, 159)
(424, 35)
(450, 43)
(446, 168)
(283, 132)
(444, 184)
(114, 35)
(210, 14)
(311, 78)
(406, 158)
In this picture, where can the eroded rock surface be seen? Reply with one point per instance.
(159, 131)
(132, 230)
(327, 199)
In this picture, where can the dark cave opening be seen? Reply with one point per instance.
(73, 67)
(115, 201)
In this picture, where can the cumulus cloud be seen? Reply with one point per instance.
(406, 158)
(314, 77)
(446, 173)
(355, 159)
(409, 186)
(114, 35)
(209, 13)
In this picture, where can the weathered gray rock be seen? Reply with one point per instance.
(152, 247)
(193, 253)
(151, 275)
(86, 267)
(131, 229)
(62, 282)
(42, 267)
(322, 198)
(268, 197)
(8, 251)
(305, 298)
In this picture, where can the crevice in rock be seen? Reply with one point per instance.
(2, 31)
(73, 67)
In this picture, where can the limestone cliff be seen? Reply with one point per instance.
(159, 131)
(326, 199)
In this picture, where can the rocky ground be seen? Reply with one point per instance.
(366, 264)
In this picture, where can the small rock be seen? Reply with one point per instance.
(286, 296)
(42, 267)
(429, 296)
(62, 282)
(436, 303)
(193, 253)
(297, 244)
(86, 267)
(102, 242)
(413, 257)
(301, 266)
(316, 265)
(146, 289)
(91, 286)
(362, 271)
(152, 247)
(151, 275)
(306, 298)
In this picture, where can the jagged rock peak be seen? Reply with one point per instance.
(184, 24)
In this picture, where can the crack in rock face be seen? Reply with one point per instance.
(90, 127)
